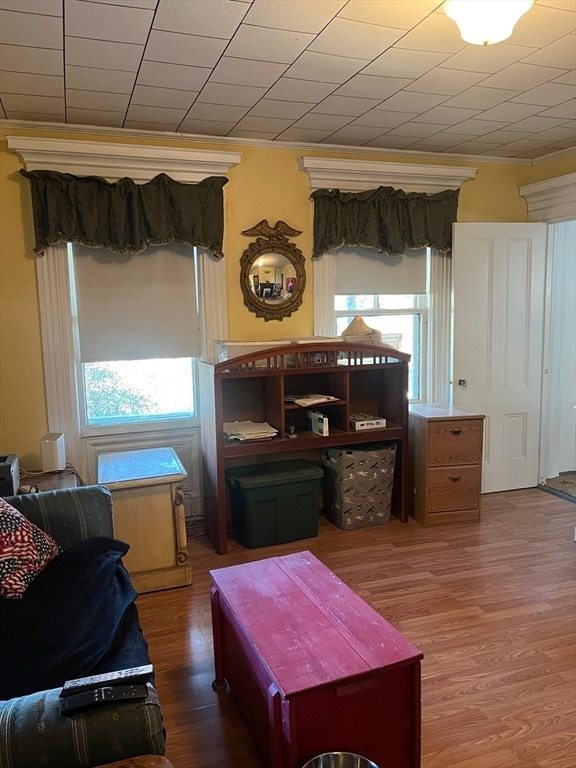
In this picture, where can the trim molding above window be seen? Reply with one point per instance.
(363, 175)
(114, 161)
(552, 200)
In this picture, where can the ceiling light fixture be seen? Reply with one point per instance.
(484, 22)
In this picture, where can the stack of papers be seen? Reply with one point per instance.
(307, 400)
(248, 430)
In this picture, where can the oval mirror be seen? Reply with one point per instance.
(272, 275)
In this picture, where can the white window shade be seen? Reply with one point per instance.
(135, 307)
(362, 271)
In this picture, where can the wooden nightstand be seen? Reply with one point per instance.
(445, 463)
(52, 481)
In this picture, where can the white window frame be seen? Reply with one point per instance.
(113, 161)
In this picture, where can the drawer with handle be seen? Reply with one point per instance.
(451, 488)
(455, 442)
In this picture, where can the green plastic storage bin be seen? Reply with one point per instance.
(275, 503)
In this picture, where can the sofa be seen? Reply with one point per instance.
(69, 612)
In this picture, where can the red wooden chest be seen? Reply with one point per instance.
(312, 666)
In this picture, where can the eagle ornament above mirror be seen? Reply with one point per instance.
(272, 275)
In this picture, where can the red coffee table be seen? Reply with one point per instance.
(312, 666)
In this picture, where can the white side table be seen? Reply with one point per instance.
(146, 488)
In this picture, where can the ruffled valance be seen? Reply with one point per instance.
(387, 220)
(123, 216)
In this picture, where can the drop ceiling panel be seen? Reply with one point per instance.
(393, 74)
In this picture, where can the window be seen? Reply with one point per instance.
(401, 319)
(136, 331)
(414, 315)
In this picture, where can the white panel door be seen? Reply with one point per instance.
(499, 288)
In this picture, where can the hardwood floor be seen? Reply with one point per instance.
(492, 606)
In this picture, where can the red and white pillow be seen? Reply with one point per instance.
(25, 550)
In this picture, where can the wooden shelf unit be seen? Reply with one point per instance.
(364, 378)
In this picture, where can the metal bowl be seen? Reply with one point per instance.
(339, 760)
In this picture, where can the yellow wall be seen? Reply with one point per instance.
(266, 185)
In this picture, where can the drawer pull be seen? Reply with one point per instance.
(456, 431)
(454, 478)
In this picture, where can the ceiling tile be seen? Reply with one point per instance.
(355, 39)
(567, 79)
(402, 14)
(542, 26)
(360, 133)
(562, 133)
(172, 76)
(90, 79)
(210, 127)
(42, 105)
(103, 102)
(548, 95)
(520, 77)
(446, 115)
(21, 58)
(325, 68)
(412, 102)
(535, 124)
(561, 54)
(372, 87)
(396, 62)
(524, 145)
(95, 117)
(509, 112)
(302, 134)
(566, 110)
(445, 81)
(16, 114)
(265, 135)
(391, 142)
(40, 85)
(217, 18)
(235, 95)
(268, 124)
(338, 105)
(502, 137)
(96, 53)
(384, 119)
(30, 29)
(443, 140)
(479, 97)
(290, 89)
(149, 4)
(262, 44)
(117, 24)
(46, 7)
(162, 97)
(2, 113)
(174, 48)
(416, 130)
(169, 117)
(274, 108)
(216, 112)
(435, 33)
(474, 127)
(244, 72)
(488, 59)
(296, 15)
(319, 122)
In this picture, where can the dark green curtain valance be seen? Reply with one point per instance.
(385, 219)
(123, 216)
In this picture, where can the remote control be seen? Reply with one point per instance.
(98, 696)
(121, 677)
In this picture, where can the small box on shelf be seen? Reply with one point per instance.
(318, 423)
(359, 421)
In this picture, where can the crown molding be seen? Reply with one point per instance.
(177, 137)
(551, 200)
(114, 160)
(360, 175)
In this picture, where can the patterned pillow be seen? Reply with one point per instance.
(25, 550)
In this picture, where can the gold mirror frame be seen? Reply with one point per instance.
(281, 296)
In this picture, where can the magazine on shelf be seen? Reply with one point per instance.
(248, 430)
(307, 400)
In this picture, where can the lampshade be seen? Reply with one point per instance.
(483, 22)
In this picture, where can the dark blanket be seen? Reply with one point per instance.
(77, 618)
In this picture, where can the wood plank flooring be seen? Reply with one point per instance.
(492, 606)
